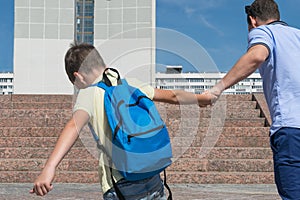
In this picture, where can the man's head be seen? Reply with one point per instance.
(83, 58)
(262, 12)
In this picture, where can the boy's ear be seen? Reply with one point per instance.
(78, 76)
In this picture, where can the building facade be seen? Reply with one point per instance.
(122, 30)
(6, 83)
(199, 82)
(44, 30)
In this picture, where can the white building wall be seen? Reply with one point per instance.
(44, 30)
(125, 36)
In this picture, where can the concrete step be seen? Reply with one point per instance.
(187, 122)
(180, 131)
(220, 105)
(221, 177)
(178, 113)
(182, 165)
(208, 141)
(36, 113)
(61, 177)
(223, 152)
(42, 153)
(182, 152)
(68, 98)
(72, 165)
(220, 141)
(69, 105)
(214, 122)
(221, 165)
(34, 142)
(172, 177)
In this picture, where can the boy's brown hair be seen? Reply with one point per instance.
(82, 57)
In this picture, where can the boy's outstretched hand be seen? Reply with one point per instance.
(42, 185)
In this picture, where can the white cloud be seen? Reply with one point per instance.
(189, 11)
(209, 25)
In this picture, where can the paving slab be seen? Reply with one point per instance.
(180, 192)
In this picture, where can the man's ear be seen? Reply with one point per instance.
(254, 21)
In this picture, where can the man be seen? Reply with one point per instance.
(274, 49)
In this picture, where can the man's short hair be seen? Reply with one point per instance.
(263, 9)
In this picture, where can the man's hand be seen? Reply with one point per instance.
(207, 98)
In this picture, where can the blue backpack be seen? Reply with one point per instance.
(141, 145)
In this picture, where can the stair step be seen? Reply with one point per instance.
(183, 131)
(221, 141)
(35, 142)
(187, 122)
(67, 113)
(182, 152)
(61, 177)
(63, 98)
(208, 113)
(222, 165)
(44, 153)
(37, 165)
(179, 131)
(220, 177)
(172, 177)
(214, 122)
(223, 152)
(220, 105)
(41, 98)
(192, 165)
(36, 113)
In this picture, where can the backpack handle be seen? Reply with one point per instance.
(106, 79)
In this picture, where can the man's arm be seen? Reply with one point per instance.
(245, 66)
(69, 135)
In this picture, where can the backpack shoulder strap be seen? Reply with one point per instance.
(106, 79)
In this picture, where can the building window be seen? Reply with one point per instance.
(84, 22)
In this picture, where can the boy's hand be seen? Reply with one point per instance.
(207, 98)
(42, 185)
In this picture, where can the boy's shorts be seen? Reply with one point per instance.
(150, 188)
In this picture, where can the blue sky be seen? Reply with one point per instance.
(217, 26)
(6, 35)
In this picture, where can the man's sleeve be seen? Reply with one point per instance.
(261, 35)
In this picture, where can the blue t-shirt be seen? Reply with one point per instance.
(280, 72)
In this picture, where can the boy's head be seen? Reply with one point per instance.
(264, 10)
(82, 58)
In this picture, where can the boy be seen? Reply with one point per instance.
(84, 67)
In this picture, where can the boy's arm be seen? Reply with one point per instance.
(181, 97)
(69, 135)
